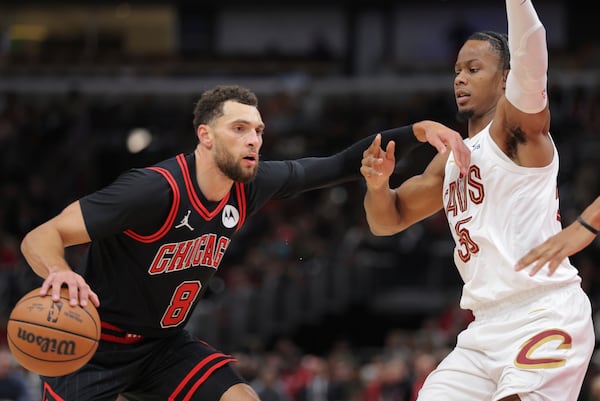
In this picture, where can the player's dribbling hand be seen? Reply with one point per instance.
(79, 291)
(377, 164)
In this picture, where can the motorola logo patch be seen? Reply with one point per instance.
(230, 216)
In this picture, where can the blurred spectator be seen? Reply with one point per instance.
(9, 262)
(318, 387)
(392, 383)
(345, 378)
(13, 386)
(594, 391)
(423, 365)
(268, 385)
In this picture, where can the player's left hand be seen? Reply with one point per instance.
(555, 249)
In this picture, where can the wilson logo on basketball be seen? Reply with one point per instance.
(47, 344)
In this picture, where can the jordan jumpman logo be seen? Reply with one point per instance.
(184, 222)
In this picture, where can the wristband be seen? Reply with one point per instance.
(586, 225)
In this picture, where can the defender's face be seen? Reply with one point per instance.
(478, 84)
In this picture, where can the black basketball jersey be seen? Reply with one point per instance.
(156, 240)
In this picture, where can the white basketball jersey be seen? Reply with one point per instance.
(497, 213)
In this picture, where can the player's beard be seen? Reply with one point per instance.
(230, 166)
(464, 115)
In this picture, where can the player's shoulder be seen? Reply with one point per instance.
(138, 174)
(164, 168)
(141, 182)
(173, 162)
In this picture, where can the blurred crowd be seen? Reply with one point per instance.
(301, 261)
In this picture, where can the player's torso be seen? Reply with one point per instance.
(163, 274)
(496, 213)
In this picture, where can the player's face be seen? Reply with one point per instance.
(478, 84)
(237, 141)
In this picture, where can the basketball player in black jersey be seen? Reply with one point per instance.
(157, 235)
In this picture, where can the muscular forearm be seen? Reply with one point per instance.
(381, 212)
(44, 251)
(44, 246)
(391, 211)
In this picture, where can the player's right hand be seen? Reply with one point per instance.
(79, 291)
(441, 137)
(377, 164)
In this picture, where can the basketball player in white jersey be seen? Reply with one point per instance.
(532, 337)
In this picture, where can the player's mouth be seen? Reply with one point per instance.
(462, 97)
(251, 159)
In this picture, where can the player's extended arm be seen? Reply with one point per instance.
(567, 242)
(390, 211)
(44, 250)
(526, 81)
(319, 172)
(523, 113)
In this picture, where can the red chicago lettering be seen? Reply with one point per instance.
(207, 250)
(220, 251)
(196, 256)
(180, 255)
(161, 259)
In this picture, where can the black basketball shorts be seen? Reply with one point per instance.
(173, 368)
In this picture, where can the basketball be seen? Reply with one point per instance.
(52, 338)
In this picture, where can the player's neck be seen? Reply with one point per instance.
(477, 124)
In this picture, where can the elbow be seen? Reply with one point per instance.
(28, 250)
(28, 246)
(25, 245)
(379, 230)
(381, 233)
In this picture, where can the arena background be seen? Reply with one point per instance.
(89, 90)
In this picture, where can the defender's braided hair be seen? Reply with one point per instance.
(499, 43)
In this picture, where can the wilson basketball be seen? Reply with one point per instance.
(52, 338)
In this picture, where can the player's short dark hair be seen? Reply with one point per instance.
(210, 104)
(499, 43)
